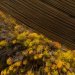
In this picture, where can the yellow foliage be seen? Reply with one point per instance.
(55, 72)
(18, 63)
(9, 61)
(59, 63)
(46, 69)
(30, 73)
(40, 55)
(17, 27)
(53, 66)
(4, 72)
(49, 73)
(48, 63)
(14, 41)
(25, 62)
(64, 69)
(47, 40)
(67, 55)
(21, 36)
(11, 68)
(35, 57)
(34, 35)
(30, 51)
(57, 45)
(14, 70)
(70, 73)
(40, 47)
(67, 65)
(3, 43)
